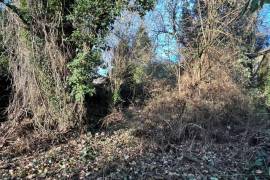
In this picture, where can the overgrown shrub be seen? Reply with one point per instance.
(211, 82)
(129, 68)
(201, 108)
(54, 52)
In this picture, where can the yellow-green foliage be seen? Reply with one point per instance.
(25, 37)
(139, 74)
(23, 4)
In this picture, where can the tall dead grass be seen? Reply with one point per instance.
(205, 104)
(209, 94)
(39, 72)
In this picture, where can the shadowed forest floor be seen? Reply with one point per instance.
(123, 151)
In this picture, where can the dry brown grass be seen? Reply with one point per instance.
(202, 106)
(210, 95)
(114, 117)
(38, 69)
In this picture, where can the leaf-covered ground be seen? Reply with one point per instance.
(121, 154)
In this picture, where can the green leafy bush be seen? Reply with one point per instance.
(82, 74)
(92, 20)
(242, 71)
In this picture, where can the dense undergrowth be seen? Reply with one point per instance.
(204, 115)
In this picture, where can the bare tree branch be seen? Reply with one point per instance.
(264, 51)
(257, 54)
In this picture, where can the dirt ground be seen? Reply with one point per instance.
(119, 152)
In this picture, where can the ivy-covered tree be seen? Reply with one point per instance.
(55, 48)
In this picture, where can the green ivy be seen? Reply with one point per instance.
(259, 164)
(117, 96)
(82, 73)
(92, 20)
